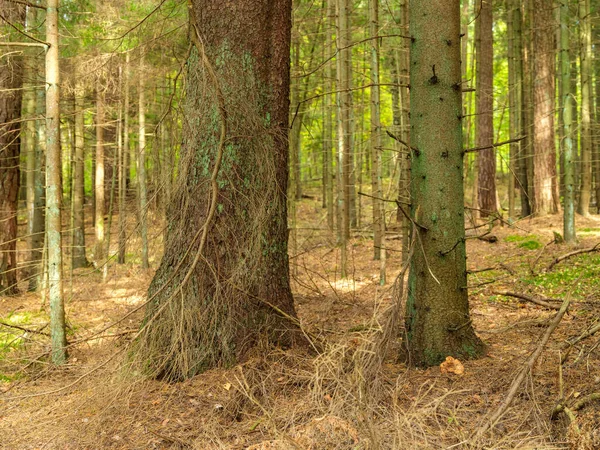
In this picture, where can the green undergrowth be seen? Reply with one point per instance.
(529, 242)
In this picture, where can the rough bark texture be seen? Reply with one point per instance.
(54, 188)
(11, 81)
(78, 256)
(545, 183)
(585, 193)
(485, 111)
(238, 290)
(437, 315)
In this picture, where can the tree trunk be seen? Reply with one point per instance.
(437, 310)
(524, 66)
(79, 259)
(329, 113)
(585, 27)
(122, 165)
(567, 98)
(485, 111)
(11, 82)
(142, 188)
(99, 179)
(54, 189)
(545, 183)
(230, 286)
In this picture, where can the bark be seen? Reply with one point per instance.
(54, 189)
(141, 167)
(122, 165)
(437, 311)
(585, 28)
(545, 183)
(523, 35)
(329, 115)
(11, 82)
(78, 256)
(376, 147)
(99, 179)
(223, 283)
(403, 72)
(568, 155)
(485, 111)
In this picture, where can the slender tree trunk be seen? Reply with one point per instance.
(596, 127)
(585, 28)
(329, 115)
(437, 310)
(143, 194)
(405, 157)
(99, 179)
(54, 188)
(485, 111)
(79, 259)
(122, 167)
(565, 70)
(231, 290)
(545, 183)
(344, 122)
(526, 155)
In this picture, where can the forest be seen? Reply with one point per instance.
(299, 224)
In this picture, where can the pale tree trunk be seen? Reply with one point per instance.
(143, 194)
(78, 255)
(437, 310)
(485, 112)
(11, 82)
(376, 147)
(99, 179)
(585, 28)
(345, 128)
(54, 189)
(545, 183)
(567, 98)
(596, 127)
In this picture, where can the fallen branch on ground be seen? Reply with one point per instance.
(571, 342)
(595, 248)
(541, 302)
(525, 370)
(26, 330)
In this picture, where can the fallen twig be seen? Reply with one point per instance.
(595, 248)
(525, 370)
(571, 342)
(27, 330)
(541, 302)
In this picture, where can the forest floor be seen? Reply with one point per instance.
(341, 398)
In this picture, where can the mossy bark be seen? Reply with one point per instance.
(238, 292)
(437, 316)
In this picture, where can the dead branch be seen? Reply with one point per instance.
(541, 302)
(585, 400)
(559, 259)
(525, 370)
(571, 342)
(26, 330)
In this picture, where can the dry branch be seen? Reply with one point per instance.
(595, 248)
(525, 370)
(545, 302)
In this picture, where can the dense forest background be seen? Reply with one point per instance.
(215, 224)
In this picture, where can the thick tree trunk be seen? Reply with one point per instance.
(437, 310)
(11, 82)
(545, 183)
(485, 111)
(223, 283)
(54, 189)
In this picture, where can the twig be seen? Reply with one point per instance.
(27, 330)
(525, 370)
(595, 248)
(544, 302)
(585, 400)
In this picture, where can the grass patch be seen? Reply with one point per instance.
(579, 276)
(529, 242)
(589, 230)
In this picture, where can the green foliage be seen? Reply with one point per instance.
(579, 277)
(530, 242)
